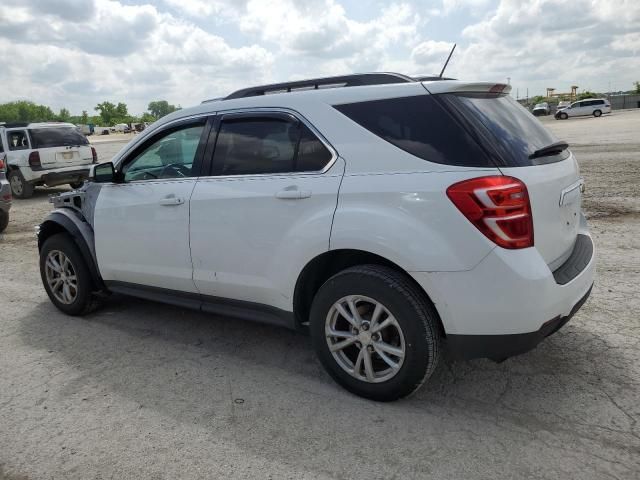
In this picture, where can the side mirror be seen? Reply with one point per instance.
(102, 173)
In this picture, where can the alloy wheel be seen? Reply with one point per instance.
(61, 277)
(365, 339)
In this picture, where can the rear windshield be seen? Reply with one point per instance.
(57, 137)
(503, 127)
(421, 126)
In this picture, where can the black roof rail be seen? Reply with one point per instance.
(430, 78)
(355, 80)
(14, 124)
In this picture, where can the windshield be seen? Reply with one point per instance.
(57, 137)
(504, 126)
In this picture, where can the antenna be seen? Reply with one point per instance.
(447, 62)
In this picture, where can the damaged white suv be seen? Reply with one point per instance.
(393, 219)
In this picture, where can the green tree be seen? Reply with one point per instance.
(24, 111)
(160, 108)
(64, 115)
(121, 111)
(108, 112)
(84, 118)
(147, 117)
(586, 94)
(637, 84)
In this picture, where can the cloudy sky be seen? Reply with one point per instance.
(76, 53)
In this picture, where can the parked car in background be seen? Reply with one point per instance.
(541, 109)
(5, 190)
(87, 129)
(45, 154)
(391, 218)
(588, 106)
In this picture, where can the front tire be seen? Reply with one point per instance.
(563, 116)
(76, 185)
(597, 113)
(20, 188)
(65, 275)
(375, 332)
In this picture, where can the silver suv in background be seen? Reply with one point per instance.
(45, 154)
(5, 191)
(588, 106)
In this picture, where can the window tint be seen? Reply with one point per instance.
(169, 156)
(251, 146)
(254, 146)
(17, 140)
(312, 154)
(420, 126)
(1, 146)
(504, 126)
(57, 137)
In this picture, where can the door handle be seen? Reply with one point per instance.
(292, 193)
(171, 201)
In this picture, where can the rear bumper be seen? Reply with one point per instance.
(501, 347)
(58, 176)
(511, 300)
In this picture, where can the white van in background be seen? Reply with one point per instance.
(588, 106)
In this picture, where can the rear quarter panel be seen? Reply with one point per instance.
(408, 219)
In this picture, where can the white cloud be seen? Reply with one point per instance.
(76, 53)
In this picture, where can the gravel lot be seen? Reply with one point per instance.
(140, 390)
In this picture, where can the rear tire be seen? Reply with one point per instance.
(4, 220)
(410, 341)
(597, 113)
(65, 275)
(20, 188)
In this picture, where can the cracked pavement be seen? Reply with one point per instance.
(141, 390)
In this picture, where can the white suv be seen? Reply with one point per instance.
(391, 218)
(45, 154)
(588, 106)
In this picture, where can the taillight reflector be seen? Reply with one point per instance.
(34, 159)
(498, 206)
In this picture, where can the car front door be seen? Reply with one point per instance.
(141, 222)
(577, 109)
(265, 209)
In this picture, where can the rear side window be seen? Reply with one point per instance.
(263, 145)
(421, 126)
(503, 126)
(57, 137)
(18, 140)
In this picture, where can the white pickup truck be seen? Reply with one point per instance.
(45, 154)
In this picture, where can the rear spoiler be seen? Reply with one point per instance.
(454, 86)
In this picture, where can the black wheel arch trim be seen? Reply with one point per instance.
(65, 220)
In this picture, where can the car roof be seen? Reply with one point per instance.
(36, 125)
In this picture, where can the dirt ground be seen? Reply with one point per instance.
(140, 390)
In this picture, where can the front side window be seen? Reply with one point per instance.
(171, 155)
(57, 137)
(264, 145)
(17, 140)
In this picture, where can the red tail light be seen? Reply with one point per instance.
(94, 154)
(498, 206)
(2, 162)
(34, 159)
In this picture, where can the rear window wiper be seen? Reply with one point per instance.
(549, 150)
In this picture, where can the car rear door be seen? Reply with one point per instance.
(142, 222)
(552, 179)
(60, 147)
(265, 209)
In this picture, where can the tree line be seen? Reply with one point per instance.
(107, 113)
